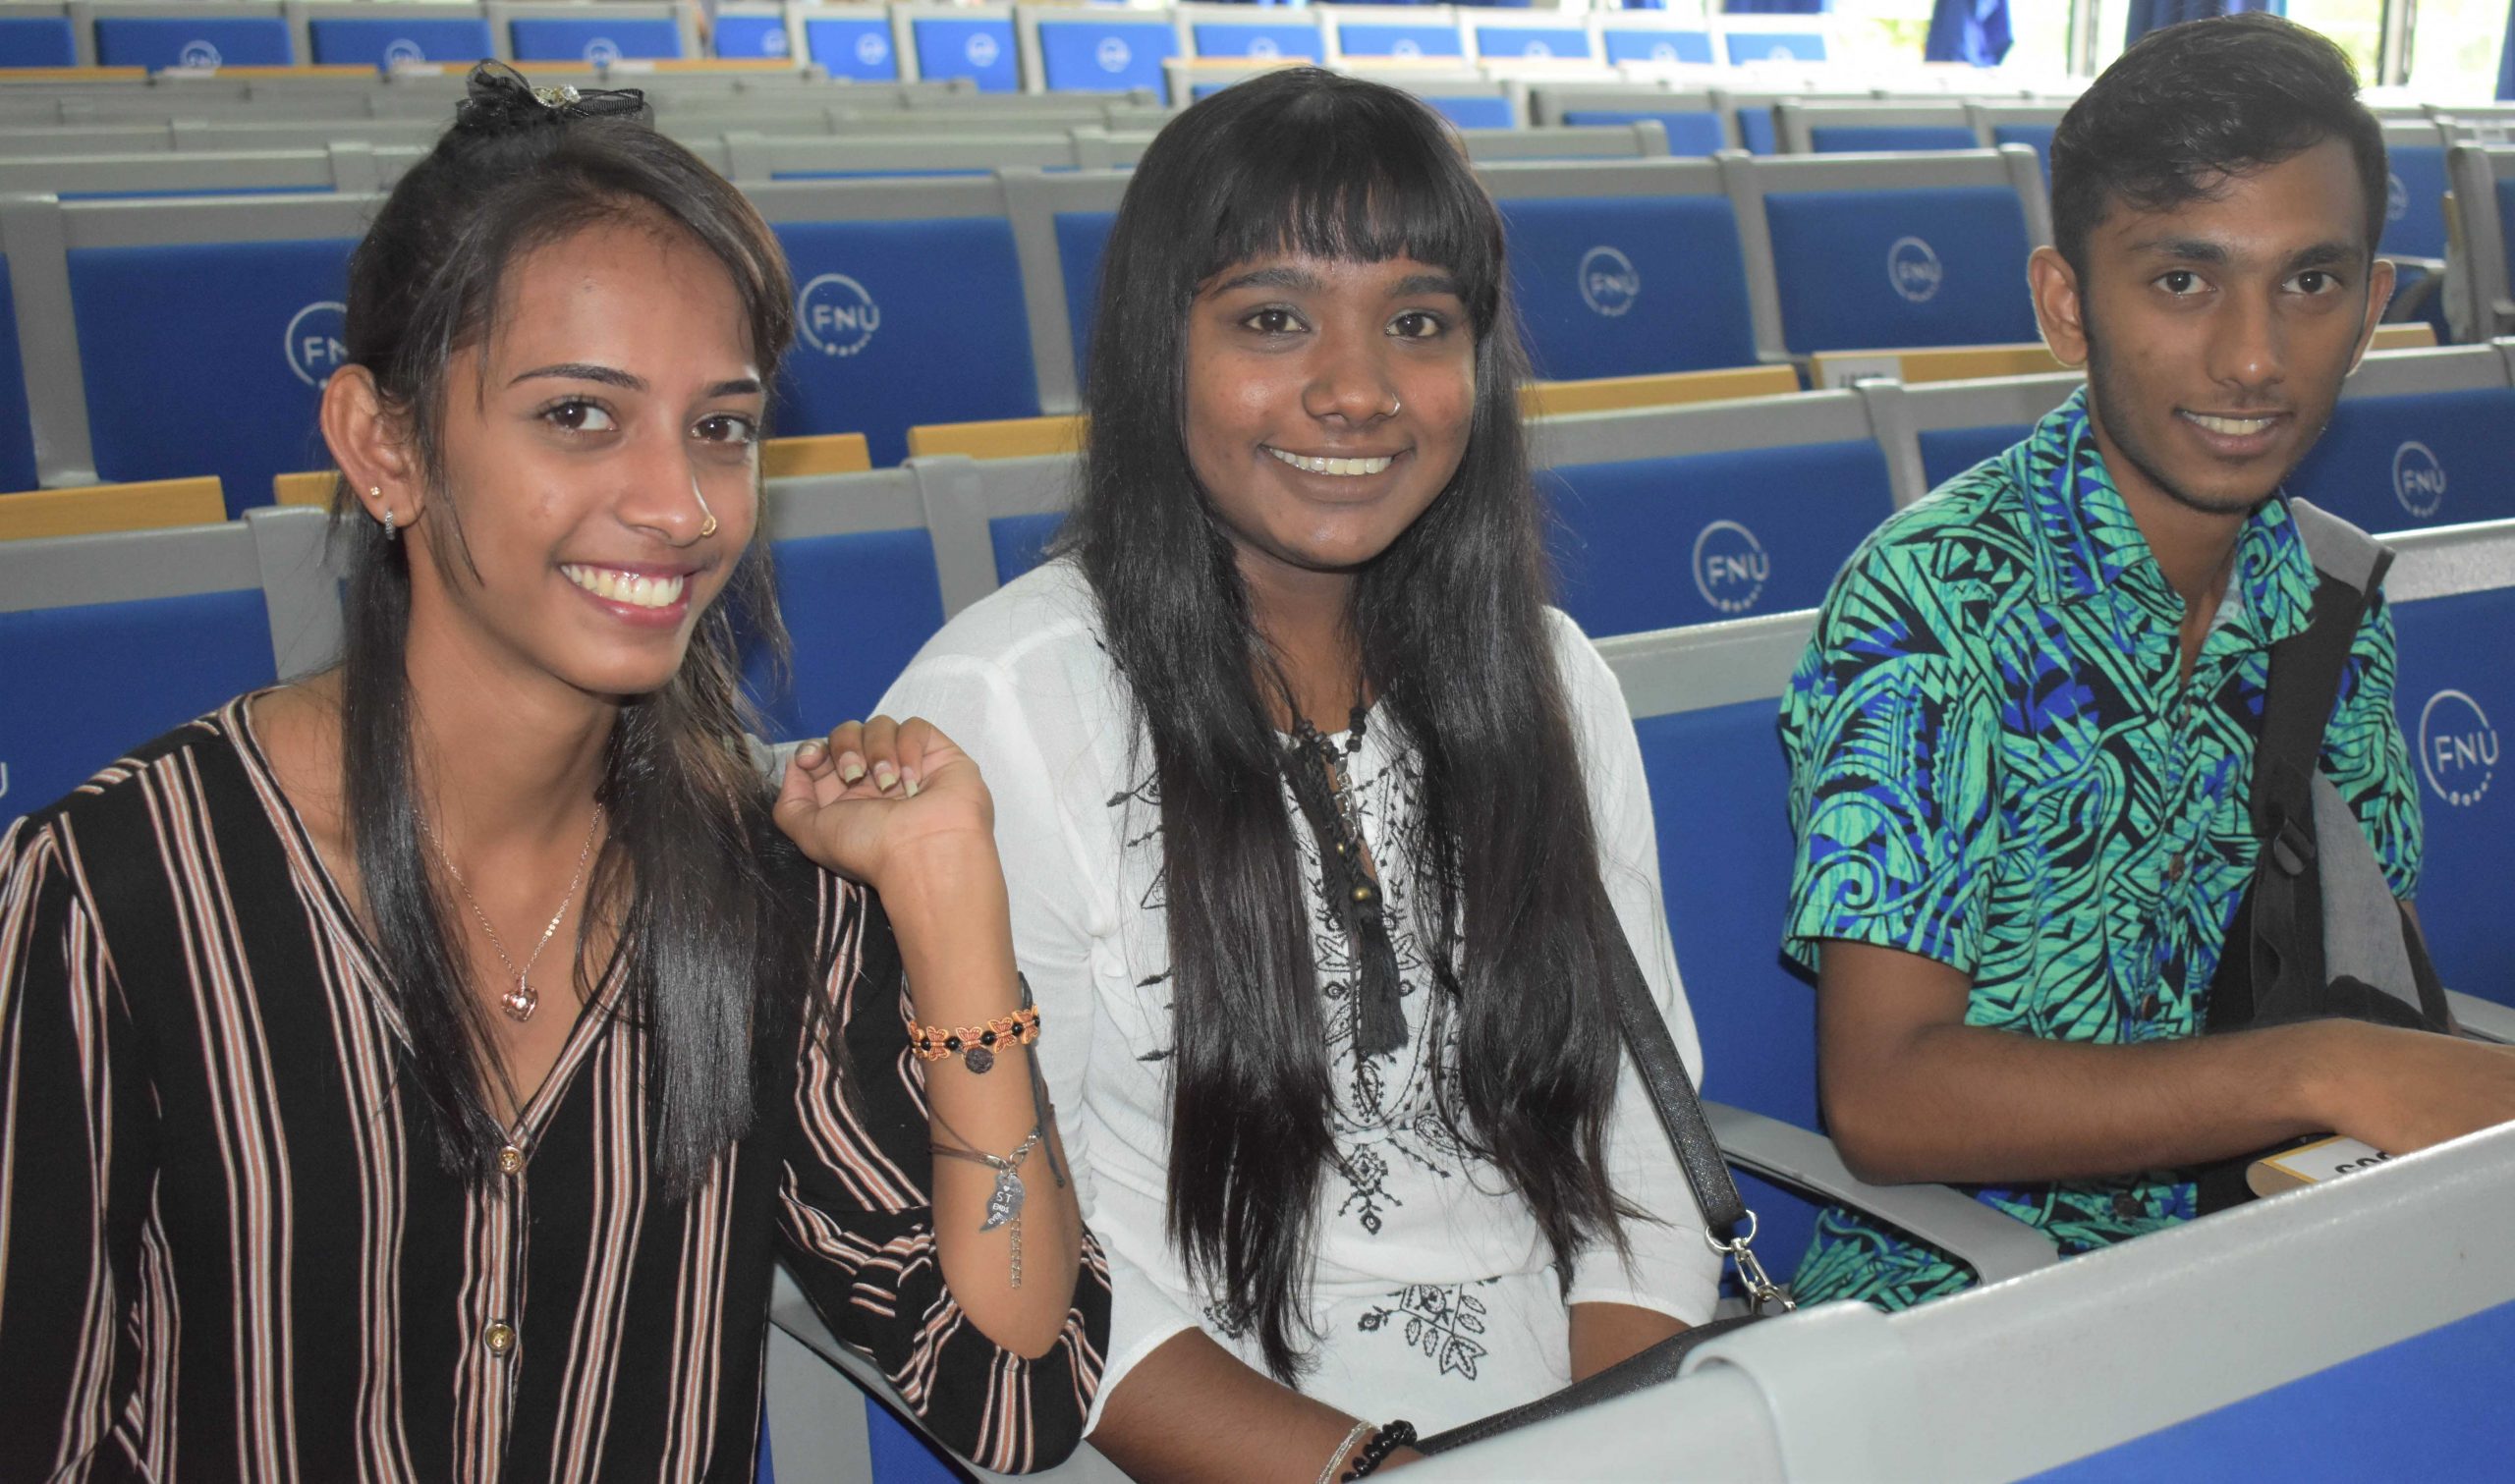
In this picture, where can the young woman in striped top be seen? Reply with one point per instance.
(415, 1072)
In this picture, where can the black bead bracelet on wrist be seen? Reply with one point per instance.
(1384, 1442)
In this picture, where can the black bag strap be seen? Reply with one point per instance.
(1672, 1094)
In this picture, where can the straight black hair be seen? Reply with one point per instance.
(707, 961)
(2186, 106)
(1454, 641)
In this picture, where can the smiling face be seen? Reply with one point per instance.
(614, 412)
(1327, 405)
(2216, 332)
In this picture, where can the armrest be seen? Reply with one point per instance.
(1993, 1245)
(791, 1311)
(2485, 1018)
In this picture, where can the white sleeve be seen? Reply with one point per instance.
(1028, 742)
(1672, 1269)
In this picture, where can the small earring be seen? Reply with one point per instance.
(388, 525)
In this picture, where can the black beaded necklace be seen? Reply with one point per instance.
(1323, 787)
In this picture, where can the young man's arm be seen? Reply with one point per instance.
(1913, 1093)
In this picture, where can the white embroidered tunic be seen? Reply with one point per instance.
(1433, 1298)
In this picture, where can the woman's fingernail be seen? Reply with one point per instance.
(851, 767)
(913, 786)
(810, 755)
(885, 777)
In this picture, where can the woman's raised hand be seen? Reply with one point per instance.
(877, 793)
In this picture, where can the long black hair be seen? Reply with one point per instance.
(1454, 641)
(707, 955)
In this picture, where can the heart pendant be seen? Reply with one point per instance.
(1005, 1203)
(520, 1002)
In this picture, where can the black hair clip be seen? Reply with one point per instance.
(499, 100)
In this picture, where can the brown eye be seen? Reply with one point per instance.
(725, 428)
(579, 418)
(1273, 322)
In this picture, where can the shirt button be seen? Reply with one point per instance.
(510, 1160)
(2174, 867)
(499, 1337)
(2149, 1006)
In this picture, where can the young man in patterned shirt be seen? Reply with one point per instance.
(2021, 738)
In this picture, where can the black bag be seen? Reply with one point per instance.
(1672, 1097)
(2318, 935)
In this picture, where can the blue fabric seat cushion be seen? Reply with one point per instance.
(857, 607)
(1891, 269)
(1623, 286)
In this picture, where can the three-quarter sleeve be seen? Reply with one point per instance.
(858, 1225)
(76, 1134)
(1670, 1268)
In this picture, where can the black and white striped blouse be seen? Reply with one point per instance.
(228, 1250)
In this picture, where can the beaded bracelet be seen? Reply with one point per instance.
(974, 1045)
(1386, 1441)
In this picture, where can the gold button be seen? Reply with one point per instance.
(510, 1160)
(500, 1338)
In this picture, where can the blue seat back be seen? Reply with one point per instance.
(2035, 136)
(1774, 46)
(1880, 269)
(161, 41)
(1949, 452)
(2415, 202)
(1632, 44)
(1542, 42)
(1474, 110)
(17, 432)
(852, 49)
(856, 606)
(1104, 54)
(1399, 39)
(1864, 139)
(979, 48)
(1757, 130)
(258, 326)
(550, 40)
(38, 42)
(1083, 237)
(79, 685)
(1691, 130)
(1621, 286)
(1020, 541)
(2425, 458)
(753, 36)
(1718, 787)
(1264, 43)
(341, 41)
(1656, 544)
(887, 315)
(2456, 694)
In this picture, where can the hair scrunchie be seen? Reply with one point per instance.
(498, 100)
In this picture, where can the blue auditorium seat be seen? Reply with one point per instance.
(1746, 46)
(362, 43)
(1398, 39)
(1626, 284)
(1527, 40)
(1691, 132)
(2397, 463)
(38, 42)
(859, 48)
(858, 605)
(2454, 608)
(1718, 791)
(1957, 424)
(1656, 44)
(1860, 139)
(753, 36)
(1898, 266)
(157, 43)
(260, 321)
(553, 39)
(1473, 110)
(1082, 238)
(903, 322)
(1089, 52)
(17, 434)
(1693, 538)
(2035, 136)
(1949, 452)
(1264, 42)
(981, 49)
(2415, 203)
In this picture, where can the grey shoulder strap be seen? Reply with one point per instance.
(2340, 550)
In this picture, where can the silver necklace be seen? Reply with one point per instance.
(522, 1000)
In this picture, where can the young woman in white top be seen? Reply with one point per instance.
(1323, 822)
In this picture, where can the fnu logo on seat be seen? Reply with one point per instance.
(314, 340)
(603, 51)
(2419, 478)
(835, 314)
(872, 50)
(199, 55)
(1914, 270)
(1113, 54)
(2458, 748)
(980, 50)
(1610, 283)
(1730, 567)
(402, 51)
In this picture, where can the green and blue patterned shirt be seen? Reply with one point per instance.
(1996, 764)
